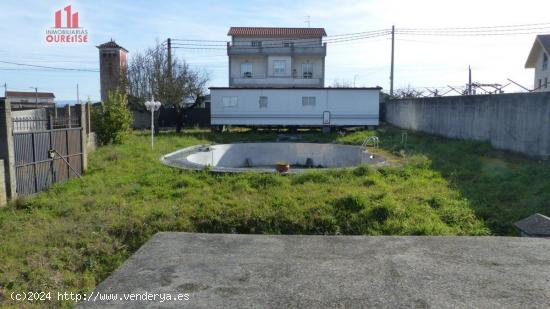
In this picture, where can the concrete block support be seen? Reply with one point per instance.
(6, 149)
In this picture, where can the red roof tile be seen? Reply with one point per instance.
(277, 32)
(29, 94)
(111, 44)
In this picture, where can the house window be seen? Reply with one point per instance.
(544, 61)
(263, 102)
(257, 43)
(307, 70)
(246, 70)
(288, 44)
(546, 82)
(229, 102)
(279, 66)
(540, 83)
(308, 101)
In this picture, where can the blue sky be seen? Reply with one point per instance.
(136, 25)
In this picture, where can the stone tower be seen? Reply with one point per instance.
(113, 66)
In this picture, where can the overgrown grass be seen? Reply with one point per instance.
(72, 236)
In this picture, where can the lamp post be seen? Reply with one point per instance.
(152, 106)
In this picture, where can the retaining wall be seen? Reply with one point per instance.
(519, 122)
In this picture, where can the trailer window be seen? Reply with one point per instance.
(263, 102)
(229, 101)
(308, 101)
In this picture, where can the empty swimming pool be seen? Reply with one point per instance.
(263, 157)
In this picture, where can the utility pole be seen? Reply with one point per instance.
(308, 21)
(469, 80)
(5, 89)
(77, 95)
(169, 46)
(35, 95)
(392, 57)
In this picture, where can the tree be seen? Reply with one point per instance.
(341, 84)
(408, 93)
(150, 74)
(113, 119)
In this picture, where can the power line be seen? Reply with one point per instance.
(302, 39)
(302, 43)
(479, 27)
(48, 67)
(467, 34)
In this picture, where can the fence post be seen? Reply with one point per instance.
(68, 115)
(89, 117)
(83, 138)
(3, 193)
(7, 149)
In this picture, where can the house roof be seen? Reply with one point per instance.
(111, 44)
(277, 32)
(542, 42)
(29, 94)
(535, 225)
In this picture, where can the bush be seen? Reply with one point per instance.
(113, 120)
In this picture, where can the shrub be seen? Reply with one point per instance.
(113, 119)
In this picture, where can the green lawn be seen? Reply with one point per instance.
(72, 236)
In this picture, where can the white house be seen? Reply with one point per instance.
(538, 60)
(276, 78)
(276, 57)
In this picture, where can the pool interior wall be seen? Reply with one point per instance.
(242, 157)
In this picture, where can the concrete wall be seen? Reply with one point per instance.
(347, 107)
(142, 120)
(519, 122)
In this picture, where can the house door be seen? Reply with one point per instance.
(326, 118)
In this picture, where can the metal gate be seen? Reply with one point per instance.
(35, 140)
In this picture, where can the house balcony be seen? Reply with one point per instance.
(320, 50)
(275, 82)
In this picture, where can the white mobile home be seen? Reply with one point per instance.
(317, 107)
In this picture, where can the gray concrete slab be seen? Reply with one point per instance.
(261, 271)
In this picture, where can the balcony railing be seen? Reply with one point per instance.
(246, 49)
(276, 81)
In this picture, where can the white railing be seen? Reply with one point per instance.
(373, 141)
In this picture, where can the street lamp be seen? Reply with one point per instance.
(152, 106)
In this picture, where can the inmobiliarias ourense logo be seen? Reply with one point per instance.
(66, 28)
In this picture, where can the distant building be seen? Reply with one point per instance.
(538, 60)
(113, 66)
(21, 100)
(276, 57)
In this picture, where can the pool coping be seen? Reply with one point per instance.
(185, 164)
